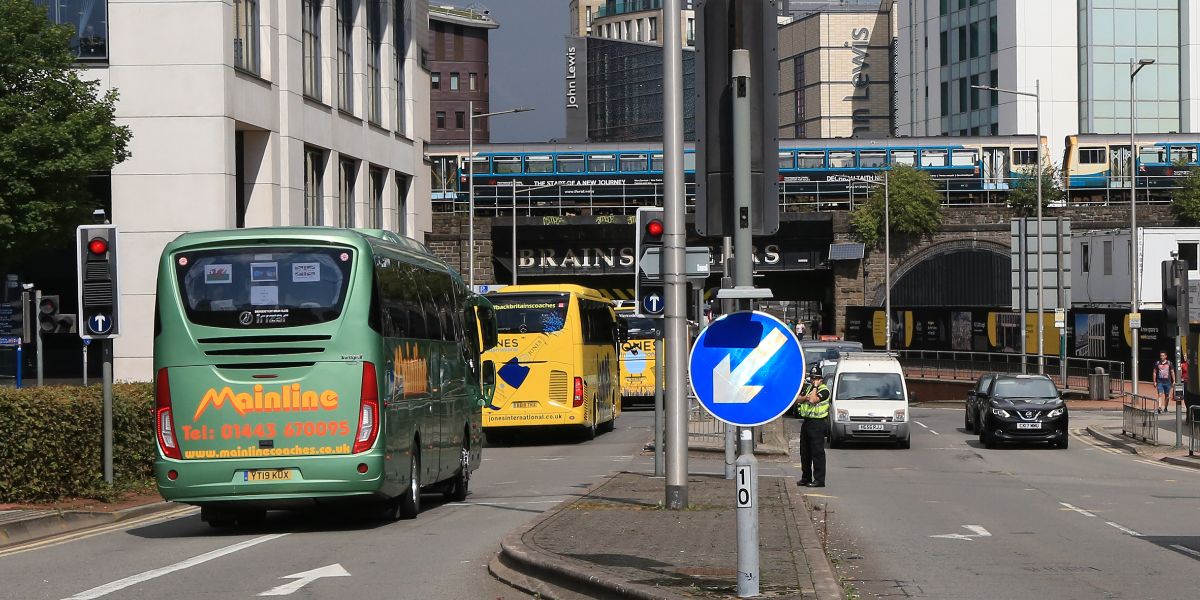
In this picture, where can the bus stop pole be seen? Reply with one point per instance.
(107, 354)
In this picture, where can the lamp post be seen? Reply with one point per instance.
(471, 181)
(887, 260)
(1036, 94)
(514, 223)
(1134, 67)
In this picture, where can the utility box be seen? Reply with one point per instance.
(1098, 384)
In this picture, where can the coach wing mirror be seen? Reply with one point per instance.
(621, 331)
(485, 315)
(487, 379)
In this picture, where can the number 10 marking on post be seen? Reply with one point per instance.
(745, 474)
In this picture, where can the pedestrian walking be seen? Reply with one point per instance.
(814, 409)
(816, 328)
(800, 329)
(1164, 378)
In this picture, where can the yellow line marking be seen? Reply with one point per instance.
(74, 536)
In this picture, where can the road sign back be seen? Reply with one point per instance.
(746, 368)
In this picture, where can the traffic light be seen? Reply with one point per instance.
(97, 275)
(722, 26)
(1170, 299)
(51, 320)
(648, 242)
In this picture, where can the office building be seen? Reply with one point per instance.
(458, 68)
(246, 113)
(581, 14)
(640, 21)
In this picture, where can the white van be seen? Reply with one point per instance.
(869, 400)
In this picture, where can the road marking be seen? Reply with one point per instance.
(921, 424)
(552, 458)
(1187, 550)
(977, 531)
(1078, 510)
(934, 432)
(132, 580)
(1124, 529)
(58, 540)
(1166, 466)
(518, 503)
(305, 578)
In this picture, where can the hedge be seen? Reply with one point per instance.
(51, 441)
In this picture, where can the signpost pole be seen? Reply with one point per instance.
(20, 364)
(85, 347)
(107, 352)
(659, 469)
(747, 515)
(726, 308)
(37, 327)
(673, 258)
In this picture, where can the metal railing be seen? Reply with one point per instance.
(969, 366)
(1193, 427)
(1139, 418)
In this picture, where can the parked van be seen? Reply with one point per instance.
(869, 400)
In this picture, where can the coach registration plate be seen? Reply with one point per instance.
(267, 475)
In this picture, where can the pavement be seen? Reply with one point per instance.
(1112, 432)
(23, 525)
(617, 541)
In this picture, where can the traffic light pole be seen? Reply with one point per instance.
(675, 286)
(106, 349)
(37, 325)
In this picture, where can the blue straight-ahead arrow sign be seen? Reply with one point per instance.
(746, 368)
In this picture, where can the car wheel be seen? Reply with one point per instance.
(1062, 442)
(218, 518)
(408, 505)
(835, 441)
(459, 484)
(904, 444)
(967, 420)
(589, 430)
(987, 437)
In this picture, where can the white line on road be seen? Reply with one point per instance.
(934, 432)
(1195, 553)
(921, 424)
(1124, 529)
(132, 580)
(1078, 510)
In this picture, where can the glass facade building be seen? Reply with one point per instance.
(968, 56)
(1111, 34)
(625, 91)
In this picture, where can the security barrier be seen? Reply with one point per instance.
(1193, 428)
(1139, 418)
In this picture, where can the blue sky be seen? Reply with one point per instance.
(526, 68)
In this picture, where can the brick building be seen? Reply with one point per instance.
(458, 68)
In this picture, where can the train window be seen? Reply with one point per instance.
(873, 159)
(1183, 154)
(933, 158)
(656, 162)
(602, 162)
(481, 164)
(964, 158)
(1025, 156)
(570, 163)
(839, 159)
(633, 162)
(539, 163)
(1092, 156)
(786, 160)
(1152, 154)
(506, 164)
(689, 161)
(904, 157)
(810, 160)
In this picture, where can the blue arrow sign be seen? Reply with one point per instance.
(99, 324)
(652, 304)
(746, 368)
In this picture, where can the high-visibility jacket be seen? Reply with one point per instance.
(820, 410)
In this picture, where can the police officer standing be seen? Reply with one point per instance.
(814, 409)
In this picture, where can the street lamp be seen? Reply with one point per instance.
(514, 222)
(471, 181)
(1134, 67)
(1036, 94)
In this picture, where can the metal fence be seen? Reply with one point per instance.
(969, 366)
(1139, 418)
(1193, 428)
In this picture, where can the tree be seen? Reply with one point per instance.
(915, 207)
(1023, 197)
(55, 131)
(1186, 198)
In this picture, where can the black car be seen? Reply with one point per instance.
(1022, 408)
(976, 400)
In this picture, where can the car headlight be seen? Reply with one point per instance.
(1056, 412)
(843, 415)
(1001, 412)
(899, 415)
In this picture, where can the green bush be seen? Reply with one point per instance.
(51, 441)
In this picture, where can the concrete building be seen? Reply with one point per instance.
(946, 46)
(835, 73)
(246, 113)
(581, 14)
(458, 72)
(640, 21)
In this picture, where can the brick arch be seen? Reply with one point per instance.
(934, 251)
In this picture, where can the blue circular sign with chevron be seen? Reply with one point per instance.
(746, 368)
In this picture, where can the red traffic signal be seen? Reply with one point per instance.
(98, 246)
(654, 228)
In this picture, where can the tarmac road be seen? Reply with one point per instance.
(1088, 522)
(442, 554)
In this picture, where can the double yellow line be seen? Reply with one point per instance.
(56, 540)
